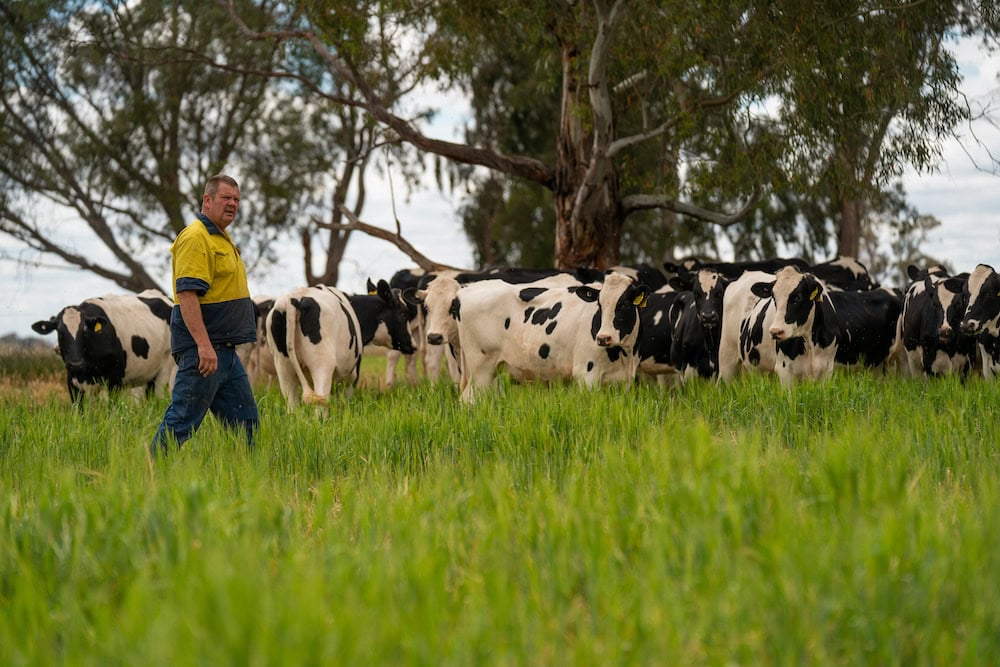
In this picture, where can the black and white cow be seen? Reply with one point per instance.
(437, 298)
(696, 335)
(930, 326)
(656, 334)
(317, 335)
(812, 328)
(982, 316)
(549, 333)
(115, 341)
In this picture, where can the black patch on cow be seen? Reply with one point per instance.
(543, 351)
(590, 366)
(160, 308)
(793, 348)
(527, 313)
(351, 331)
(140, 347)
(595, 324)
(614, 353)
(455, 310)
(552, 327)
(278, 333)
(506, 323)
(585, 292)
(529, 293)
(309, 313)
(543, 314)
(626, 313)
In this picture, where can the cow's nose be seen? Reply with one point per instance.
(435, 339)
(604, 340)
(970, 327)
(777, 334)
(709, 319)
(945, 333)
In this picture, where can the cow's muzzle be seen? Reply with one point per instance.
(971, 328)
(604, 340)
(435, 339)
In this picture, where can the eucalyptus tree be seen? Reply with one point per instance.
(692, 110)
(115, 114)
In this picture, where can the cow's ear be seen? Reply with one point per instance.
(679, 284)
(763, 290)
(815, 290)
(639, 295)
(955, 285)
(410, 296)
(383, 290)
(913, 272)
(588, 294)
(370, 286)
(45, 327)
(97, 324)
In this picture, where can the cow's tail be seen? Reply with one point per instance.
(292, 313)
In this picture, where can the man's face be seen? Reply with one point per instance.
(221, 207)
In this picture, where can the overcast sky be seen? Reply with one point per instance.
(964, 195)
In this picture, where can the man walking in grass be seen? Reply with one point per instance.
(212, 314)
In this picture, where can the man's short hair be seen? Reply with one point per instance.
(212, 186)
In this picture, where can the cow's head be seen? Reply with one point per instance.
(796, 296)
(982, 315)
(616, 322)
(393, 326)
(942, 319)
(709, 287)
(437, 300)
(83, 334)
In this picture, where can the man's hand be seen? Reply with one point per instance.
(208, 360)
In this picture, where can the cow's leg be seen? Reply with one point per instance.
(432, 361)
(391, 359)
(288, 380)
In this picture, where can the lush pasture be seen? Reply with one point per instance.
(851, 522)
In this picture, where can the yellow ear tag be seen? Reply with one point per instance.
(640, 301)
(97, 328)
(812, 297)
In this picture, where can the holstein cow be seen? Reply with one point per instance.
(698, 324)
(656, 330)
(982, 316)
(118, 340)
(317, 335)
(549, 333)
(933, 341)
(813, 328)
(437, 296)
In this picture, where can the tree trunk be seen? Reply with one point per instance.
(588, 221)
(849, 242)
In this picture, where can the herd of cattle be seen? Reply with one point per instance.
(713, 320)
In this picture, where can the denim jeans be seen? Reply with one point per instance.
(226, 393)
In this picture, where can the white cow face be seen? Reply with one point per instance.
(437, 301)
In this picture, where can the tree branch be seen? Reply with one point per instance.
(514, 165)
(395, 239)
(633, 203)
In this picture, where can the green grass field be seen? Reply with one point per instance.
(853, 522)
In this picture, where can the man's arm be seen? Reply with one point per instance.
(208, 361)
